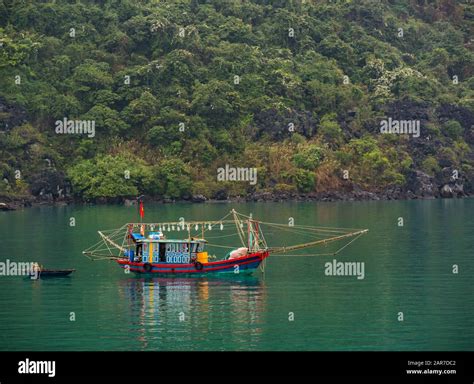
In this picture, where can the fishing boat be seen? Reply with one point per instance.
(144, 248)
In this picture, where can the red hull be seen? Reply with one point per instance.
(238, 265)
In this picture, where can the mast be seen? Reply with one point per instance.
(240, 231)
(189, 242)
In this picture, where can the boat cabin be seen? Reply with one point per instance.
(157, 249)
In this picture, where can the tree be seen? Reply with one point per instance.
(107, 120)
(217, 101)
(304, 180)
(308, 158)
(141, 110)
(109, 176)
(453, 129)
(171, 179)
(92, 75)
(330, 130)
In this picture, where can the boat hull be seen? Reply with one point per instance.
(46, 273)
(245, 264)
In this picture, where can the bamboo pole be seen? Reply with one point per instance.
(313, 243)
(239, 228)
(111, 242)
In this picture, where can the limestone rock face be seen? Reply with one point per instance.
(422, 185)
(50, 184)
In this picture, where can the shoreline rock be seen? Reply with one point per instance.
(425, 191)
(6, 207)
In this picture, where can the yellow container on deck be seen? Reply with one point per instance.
(202, 257)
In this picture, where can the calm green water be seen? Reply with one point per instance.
(407, 269)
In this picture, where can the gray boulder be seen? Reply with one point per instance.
(198, 199)
(446, 191)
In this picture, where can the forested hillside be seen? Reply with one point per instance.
(177, 89)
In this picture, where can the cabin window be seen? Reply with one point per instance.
(177, 253)
(163, 252)
(184, 248)
(139, 252)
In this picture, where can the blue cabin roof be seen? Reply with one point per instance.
(139, 237)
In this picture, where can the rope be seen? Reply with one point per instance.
(306, 255)
(354, 239)
(313, 230)
(219, 237)
(220, 246)
(321, 229)
(300, 233)
(322, 254)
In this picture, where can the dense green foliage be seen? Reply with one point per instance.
(180, 88)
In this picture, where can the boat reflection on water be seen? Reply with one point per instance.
(196, 313)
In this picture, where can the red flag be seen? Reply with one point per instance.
(142, 210)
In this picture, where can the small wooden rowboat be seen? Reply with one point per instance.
(56, 272)
(45, 273)
(143, 247)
